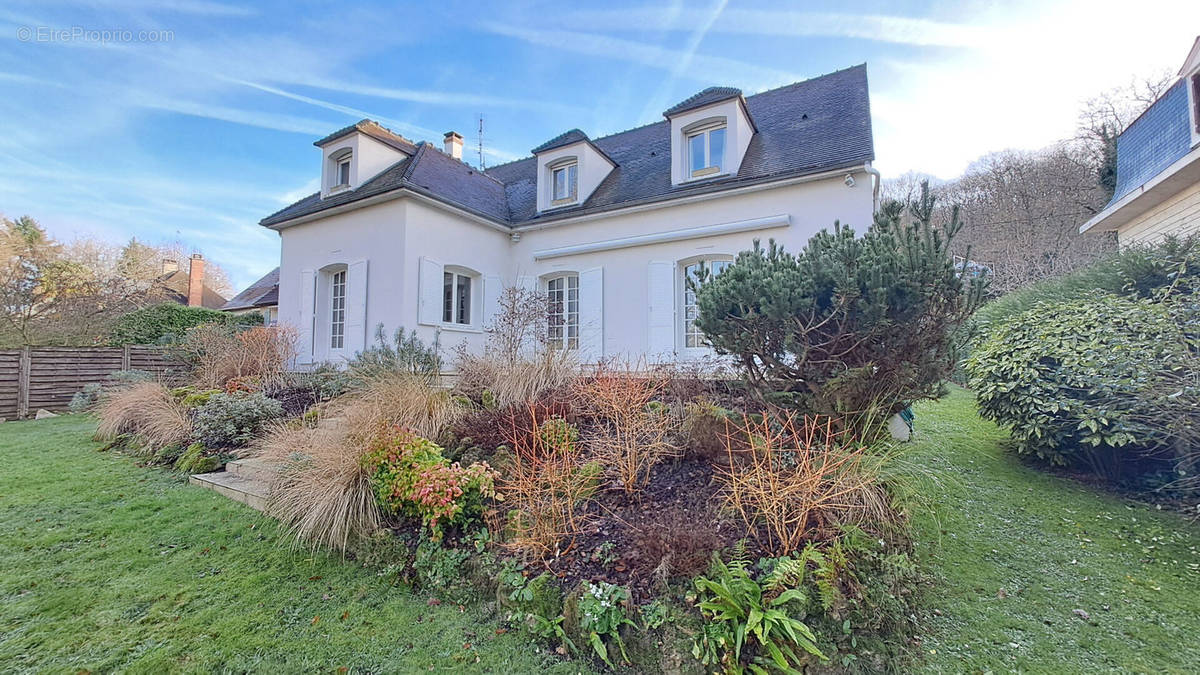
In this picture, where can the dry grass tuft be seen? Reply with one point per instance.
(514, 381)
(802, 480)
(224, 353)
(322, 495)
(631, 429)
(146, 410)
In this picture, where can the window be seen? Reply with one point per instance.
(1196, 99)
(564, 183)
(456, 298)
(343, 172)
(563, 323)
(337, 304)
(692, 337)
(706, 152)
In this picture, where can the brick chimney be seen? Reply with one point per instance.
(453, 144)
(196, 281)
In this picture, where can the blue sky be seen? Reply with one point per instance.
(195, 133)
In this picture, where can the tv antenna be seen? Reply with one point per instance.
(481, 164)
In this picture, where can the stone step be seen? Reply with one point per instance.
(249, 491)
(253, 468)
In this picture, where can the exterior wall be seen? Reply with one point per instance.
(1179, 216)
(386, 243)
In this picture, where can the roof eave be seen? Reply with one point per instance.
(1181, 173)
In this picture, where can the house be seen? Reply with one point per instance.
(262, 296)
(1158, 167)
(406, 234)
(187, 288)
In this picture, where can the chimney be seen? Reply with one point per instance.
(196, 281)
(170, 265)
(454, 144)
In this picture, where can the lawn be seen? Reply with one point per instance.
(110, 566)
(1018, 551)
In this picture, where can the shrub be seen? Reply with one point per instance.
(195, 459)
(85, 398)
(402, 400)
(802, 478)
(706, 428)
(410, 477)
(750, 623)
(404, 354)
(546, 484)
(169, 321)
(220, 353)
(850, 324)
(602, 615)
(630, 433)
(1095, 383)
(146, 410)
(233, 420)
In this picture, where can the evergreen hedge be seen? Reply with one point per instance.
(167, 321)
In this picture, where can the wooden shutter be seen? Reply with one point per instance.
(429, 293)
(308, 299)
(356, 306)
(660, 296)
(591, 315)
(492, 288)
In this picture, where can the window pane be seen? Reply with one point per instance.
(716, 147)
(343, 173)
(447, 297)
(572, 181)
(337, 305)
(696, 152)
(464, 300)
(560, 183)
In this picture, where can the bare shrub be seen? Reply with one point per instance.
(146, 410)
(677, 543)
(546, 485)
(517, 363)
(322, 495)
(630, 431)
(221, 354)
(801, 481)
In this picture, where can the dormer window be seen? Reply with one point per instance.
(564, 181)
(706, 151)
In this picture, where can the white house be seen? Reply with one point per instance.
(407, 234)
(1158, 167)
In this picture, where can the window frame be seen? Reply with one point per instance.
(339, 159)
(337, 309)
(685, 324)
(570, 168)
(567, 337)
(456, 313)
(705, 131)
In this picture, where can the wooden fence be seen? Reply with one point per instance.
(37, 378)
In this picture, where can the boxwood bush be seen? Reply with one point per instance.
(168, 321)
(1106, 383)
(231, 420)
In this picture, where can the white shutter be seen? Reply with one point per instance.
(356, 306)
(591, 315)
(429, 293)
(308, 298)
(660, 296)
(492, 287)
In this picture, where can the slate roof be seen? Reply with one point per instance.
(262, 293)
(703, 98)
(374, 130)
(1154, 141)
(808, 127)
(565, 138)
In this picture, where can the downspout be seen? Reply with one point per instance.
(878, 180)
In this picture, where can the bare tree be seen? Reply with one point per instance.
(1107, 114)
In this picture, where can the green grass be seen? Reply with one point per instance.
(107, 566)
(1018, 551)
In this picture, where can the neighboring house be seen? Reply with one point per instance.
(1158, 167)
(261, 296)
(407, 235)
(188, 288)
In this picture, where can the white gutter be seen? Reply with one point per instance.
(781, 220)
(391, 195)
(874, 188)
